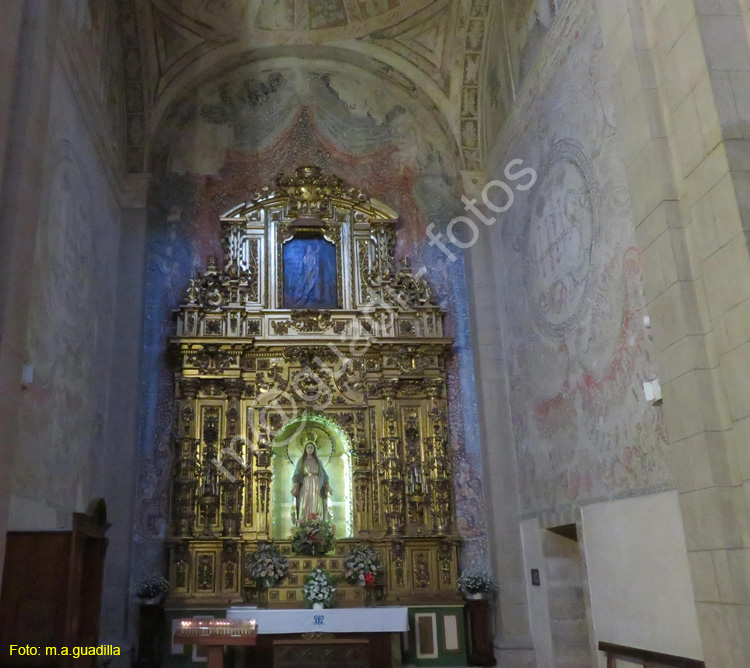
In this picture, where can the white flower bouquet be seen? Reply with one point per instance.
(319, 588)
(476, 581)
(361, 566)
(267, 565)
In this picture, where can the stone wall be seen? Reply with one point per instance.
(679, 70)
(71, 293)
(574, 328)
(632, 116)
(60, 454)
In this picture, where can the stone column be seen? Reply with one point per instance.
(118, 481)
(513, 643)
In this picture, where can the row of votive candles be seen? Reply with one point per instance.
(205, 627)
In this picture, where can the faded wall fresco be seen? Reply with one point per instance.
(235, 137)
(516, 33)
(99, 34)
(573, 330)
(60, 454)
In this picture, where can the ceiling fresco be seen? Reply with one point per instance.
(464, 59)
(435, 47)
(340, 18)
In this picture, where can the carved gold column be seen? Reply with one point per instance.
(439, 460)
(184, 481)
(210, 488)
(413, 471)
(262, 477)
(361, 501)
(248, 476)
(391, 462)
(231, 461)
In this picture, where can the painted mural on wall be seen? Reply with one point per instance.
(574, 329)
(235, 139)
(60, 454)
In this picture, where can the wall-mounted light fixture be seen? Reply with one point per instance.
(27, 376)
(652, 391)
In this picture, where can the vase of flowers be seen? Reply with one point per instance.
(312, 536)
(152, 590)
(318, 590)
(267, 566)
(361, 566)
(476, 583)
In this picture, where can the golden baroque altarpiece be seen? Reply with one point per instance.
(368, 373)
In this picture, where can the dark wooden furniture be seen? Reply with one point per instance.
(647, 658)
(150, 636)
(51, 591)
(478, 621)
(215, 636)
(323, 650)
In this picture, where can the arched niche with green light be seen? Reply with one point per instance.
(334, 452)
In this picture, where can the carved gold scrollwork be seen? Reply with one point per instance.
(210, 359)
(189, 387)
(310, 192)
(398, 554)
(446, 553)
(421, 563)
(309, 322)
(181, 558)
(232, 483)
(229, 559)
(263, 488)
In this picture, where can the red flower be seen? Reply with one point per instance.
(369, 579)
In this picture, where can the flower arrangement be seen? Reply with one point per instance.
(476, 581)
(319, 589)
(267, 565)
(361, 566)
(153, 587)
(312, 536)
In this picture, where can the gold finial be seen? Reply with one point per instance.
(310, 191)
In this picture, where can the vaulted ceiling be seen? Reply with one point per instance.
(435, 46)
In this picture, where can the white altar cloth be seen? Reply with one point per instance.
(382, 619)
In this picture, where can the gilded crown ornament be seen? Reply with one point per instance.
(310, 192)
